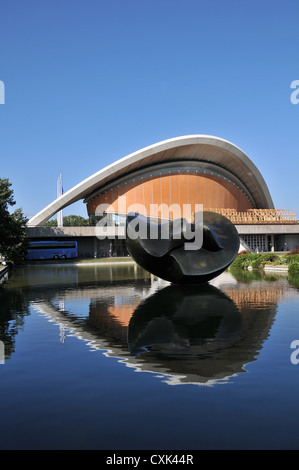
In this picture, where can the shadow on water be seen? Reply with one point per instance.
(188, 334)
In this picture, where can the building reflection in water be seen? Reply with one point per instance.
(185, 334)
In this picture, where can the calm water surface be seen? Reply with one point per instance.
(109, 357)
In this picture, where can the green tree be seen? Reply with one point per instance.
(75, 221)
(51, 223)
(69, 221)
(13, 237)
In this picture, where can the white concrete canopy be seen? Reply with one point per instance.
(202, 148)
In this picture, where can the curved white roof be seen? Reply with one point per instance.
(204, 148)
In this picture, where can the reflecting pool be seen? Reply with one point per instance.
(110, 357)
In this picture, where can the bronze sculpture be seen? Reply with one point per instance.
(172, 257)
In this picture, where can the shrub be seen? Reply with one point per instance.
(294, 267)
(270, 257)
(256, 261)
(244, 252)
(294, 251)
(265, 258)
(243, 261)
(291, 258)
(240, 262)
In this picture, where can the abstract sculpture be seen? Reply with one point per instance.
(171, 256)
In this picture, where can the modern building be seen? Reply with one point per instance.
(173, 178)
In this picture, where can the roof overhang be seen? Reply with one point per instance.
(204, 148)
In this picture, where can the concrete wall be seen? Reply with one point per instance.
(286, 242)
(268, 229)
(89, 245)
(285, 237)
(57, 232)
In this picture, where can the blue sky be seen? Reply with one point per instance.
(88, 82)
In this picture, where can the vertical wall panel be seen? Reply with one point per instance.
(175, 188)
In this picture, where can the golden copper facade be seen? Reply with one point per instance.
(172, 190)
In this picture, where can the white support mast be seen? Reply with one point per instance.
(59, 193)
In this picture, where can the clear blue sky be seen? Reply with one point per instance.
(89, 81)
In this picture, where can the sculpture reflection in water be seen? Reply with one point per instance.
(182, 252)
(196, 333)
(184, 321)
(184, 334)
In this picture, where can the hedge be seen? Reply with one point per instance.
(258, 261)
